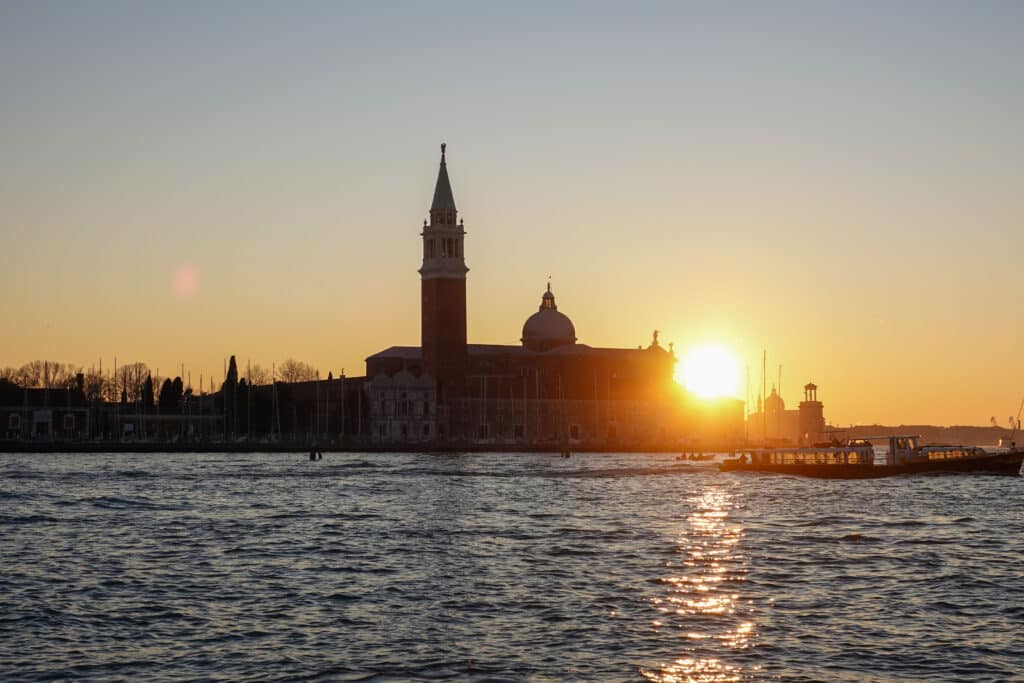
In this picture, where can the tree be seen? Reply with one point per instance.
(45, 374)
(96, 386)
(177, 394)
(242, 418)
(231, 381)
(147, 394)
(296, 371)
(229, 394)
(166, 400)
(171, 393)
(130, 379)
(258, 375)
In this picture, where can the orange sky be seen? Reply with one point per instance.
(839, 187)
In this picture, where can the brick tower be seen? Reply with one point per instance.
(443, 291)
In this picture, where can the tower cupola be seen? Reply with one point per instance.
(548, 328)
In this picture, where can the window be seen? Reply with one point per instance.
(405, 430)
(14, 421)
(383, 429)
(431, 248)
(426, 430)
(484, 431)
(519, 431)
(69, 423)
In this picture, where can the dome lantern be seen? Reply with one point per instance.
(548, 328)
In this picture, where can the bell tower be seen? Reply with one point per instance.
(443, 290)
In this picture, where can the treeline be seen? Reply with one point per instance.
(136, 383)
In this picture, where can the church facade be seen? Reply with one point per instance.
(548, 390)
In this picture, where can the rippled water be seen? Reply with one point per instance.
(500, 567)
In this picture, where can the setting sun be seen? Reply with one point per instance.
(709, 372)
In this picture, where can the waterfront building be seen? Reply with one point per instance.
(812, 417)
(771, 422)
(548, 390)
(43, 414)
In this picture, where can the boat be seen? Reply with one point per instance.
(856, 459)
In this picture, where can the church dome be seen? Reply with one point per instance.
(547, 328)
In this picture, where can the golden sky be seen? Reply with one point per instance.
(837, 185)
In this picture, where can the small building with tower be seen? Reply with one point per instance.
(772, 423)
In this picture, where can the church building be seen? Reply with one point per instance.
(548, 390)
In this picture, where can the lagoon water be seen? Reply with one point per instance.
(499, 567)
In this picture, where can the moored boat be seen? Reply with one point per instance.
(857, 460)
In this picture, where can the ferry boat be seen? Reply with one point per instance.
(857, 460)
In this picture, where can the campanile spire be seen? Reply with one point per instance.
(442, 209)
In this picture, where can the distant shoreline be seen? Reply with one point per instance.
(86, 447)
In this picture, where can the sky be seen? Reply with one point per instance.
(837, 183)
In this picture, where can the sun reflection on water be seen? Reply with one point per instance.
(703, 602)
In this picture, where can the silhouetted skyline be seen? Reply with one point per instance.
(836, 184)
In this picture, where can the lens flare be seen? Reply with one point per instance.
(186, 280)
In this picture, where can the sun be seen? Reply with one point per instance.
(709, 372)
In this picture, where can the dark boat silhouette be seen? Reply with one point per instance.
(856, 460)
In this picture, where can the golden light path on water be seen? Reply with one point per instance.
(704, 601)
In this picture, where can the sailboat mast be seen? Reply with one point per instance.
(778, 417)
(764, 395)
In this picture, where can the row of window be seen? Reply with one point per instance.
(818, 458)
(14, 422)
(404, 430)
(951, 455)
(390, 408)
(448, 247)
